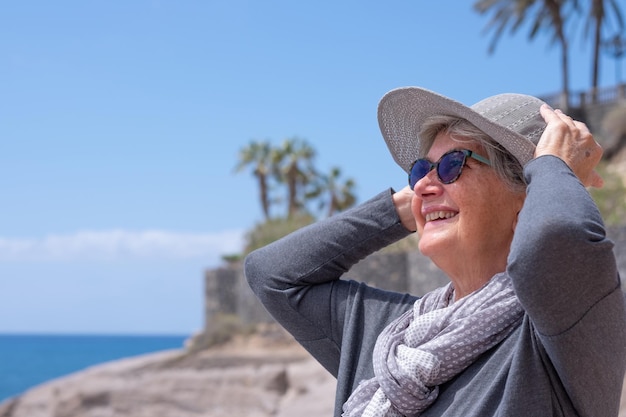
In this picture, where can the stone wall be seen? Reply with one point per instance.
(227, 292)
(583, 107)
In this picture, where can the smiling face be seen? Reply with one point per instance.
(465, 227)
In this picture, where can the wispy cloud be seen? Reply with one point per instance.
(121, 245)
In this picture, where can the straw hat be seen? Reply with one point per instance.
(513, 120)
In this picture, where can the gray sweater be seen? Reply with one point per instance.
(567, 357)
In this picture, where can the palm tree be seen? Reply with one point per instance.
(294, 166)
(548, 15)
(340, 196)
(615, 46)
(598, 18)
(260, 156)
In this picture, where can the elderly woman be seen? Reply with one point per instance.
(532, 322)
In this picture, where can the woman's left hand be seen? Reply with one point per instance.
(403, 200)
(571, 141)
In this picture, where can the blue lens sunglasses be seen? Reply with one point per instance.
(449, 166)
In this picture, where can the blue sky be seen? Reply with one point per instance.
(120, 124)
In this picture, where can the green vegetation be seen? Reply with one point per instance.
(290, 184)
(270, 230)
(611, 199)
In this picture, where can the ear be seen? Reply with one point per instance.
(521, 200)
(515, 221)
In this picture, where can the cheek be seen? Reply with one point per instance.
(416, 209)
(500, 215)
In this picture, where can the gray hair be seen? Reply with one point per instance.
(506, 166)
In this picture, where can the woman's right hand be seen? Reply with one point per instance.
(402, 200)
(571, 141)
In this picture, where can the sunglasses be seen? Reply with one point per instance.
(448, 167)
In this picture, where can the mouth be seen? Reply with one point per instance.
(439, 215)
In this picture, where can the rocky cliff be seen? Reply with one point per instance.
(250, 378)
(253, 377)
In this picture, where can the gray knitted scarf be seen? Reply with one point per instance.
(431, 344)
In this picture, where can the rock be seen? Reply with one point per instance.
(255, 382)
(251, 380)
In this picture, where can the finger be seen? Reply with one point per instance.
(595, 180)
(561, 114)
(547, 113)
(581, 126)
(566, 119)
(552, 116)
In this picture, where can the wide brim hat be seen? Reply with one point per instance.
(512, 120)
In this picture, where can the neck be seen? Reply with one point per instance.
(467, 279)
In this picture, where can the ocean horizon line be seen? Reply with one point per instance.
(94, 334)
(30, 359)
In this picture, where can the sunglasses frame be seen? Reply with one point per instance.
(435, 165)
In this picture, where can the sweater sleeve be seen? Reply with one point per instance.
(565, 275)
(297, 278)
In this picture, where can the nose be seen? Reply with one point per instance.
(428, 185)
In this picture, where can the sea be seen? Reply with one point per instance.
(27, 360)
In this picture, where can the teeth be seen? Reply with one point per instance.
(436, 215)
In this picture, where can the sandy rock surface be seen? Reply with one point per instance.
(231, 381)
(251, 379)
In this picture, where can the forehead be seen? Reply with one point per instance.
(445, 142)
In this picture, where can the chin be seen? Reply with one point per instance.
(427, 248)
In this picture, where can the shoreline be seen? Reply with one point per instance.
(244, 377)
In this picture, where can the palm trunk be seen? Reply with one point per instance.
(554, 7)
(265, 204)
(565, 75)
(598, 14)
(292, 189)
